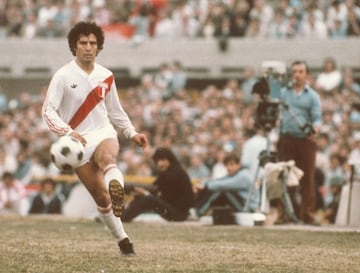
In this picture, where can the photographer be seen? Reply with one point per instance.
(300, 121)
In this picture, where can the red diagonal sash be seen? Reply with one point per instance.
(93, 98)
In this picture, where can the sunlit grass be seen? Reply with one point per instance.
(46, 245)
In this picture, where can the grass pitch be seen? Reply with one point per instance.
(53, 244)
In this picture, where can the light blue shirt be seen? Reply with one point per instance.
(303, 108)
(241, 182)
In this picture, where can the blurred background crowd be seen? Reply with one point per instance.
(200, 126)
(143, 19)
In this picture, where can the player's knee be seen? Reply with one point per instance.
(106, 159)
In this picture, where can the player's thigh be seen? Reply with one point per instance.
(92, 178)
(106, 152)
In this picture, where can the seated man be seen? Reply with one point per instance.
(171, 195)
(47, 201)
(235, 189)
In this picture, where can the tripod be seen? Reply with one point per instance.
(267, 156)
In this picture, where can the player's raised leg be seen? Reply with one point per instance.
(105, 157)
(93, 179)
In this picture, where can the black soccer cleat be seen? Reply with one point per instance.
(126, 247)
(117, 193)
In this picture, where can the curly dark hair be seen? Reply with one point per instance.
(85, 28)
(165, 153)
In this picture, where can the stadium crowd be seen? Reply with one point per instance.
(143, 19)
(199, 126)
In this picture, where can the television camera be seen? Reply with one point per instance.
(269, 90)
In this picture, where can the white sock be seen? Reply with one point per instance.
(113, 173)
(114, 225)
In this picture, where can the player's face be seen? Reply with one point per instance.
(299, 74)
(86, 48)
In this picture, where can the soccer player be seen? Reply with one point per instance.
(82, 102)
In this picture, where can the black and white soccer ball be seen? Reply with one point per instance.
(67, 153)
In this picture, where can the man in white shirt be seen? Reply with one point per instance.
(82, 102)
(12, 195)
(330, 78)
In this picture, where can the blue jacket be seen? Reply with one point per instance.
(241, 183)
(306, 108)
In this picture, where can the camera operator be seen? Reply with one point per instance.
(300, 121)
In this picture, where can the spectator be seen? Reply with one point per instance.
(238, 181)
(3, 21)
(286, 7)
(15, 20)
(100, 13)
(178, 80)
(30, 27)
(334, 175)
(7, 161)
(165, 27)
(349, 84)
(329, 80)
(251, 151)
(162, 80)
(293, 26)
(354, 157)
(50, 30)
(207, 29)
(239, 26)
(183, 18)
(141, 22)
(231, 89)
(171, 195)
(219, 169)
(186, 22)
(253, 30)
(315, 8)
(353, 26)
(246, 86)
(197, 168)
(332, 208)
(313, 28)
(264, 12)
(222, 34)
(24, 163)
(12, 196)
(277, 27)
(47, 201)
(339, 30)
(336, 16)
(46, 13)
(62, 17)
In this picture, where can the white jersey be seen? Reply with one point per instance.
(84, 102)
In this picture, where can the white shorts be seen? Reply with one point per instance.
(94, 138)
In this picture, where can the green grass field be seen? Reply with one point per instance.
(46, 245)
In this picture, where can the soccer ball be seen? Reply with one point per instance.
(67, 153)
